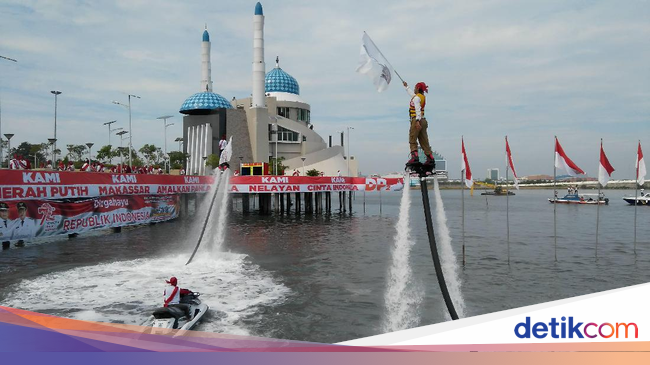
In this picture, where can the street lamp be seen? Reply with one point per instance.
(122, 139)
(179, 140)
(303, 165)
(109, 130)
(90, 145)
(165, 125)
(8, 136)
(130, 131)
(275, 132)
(349, 149)
(56, 94)
(1, 146)
(52, 143)
(166, 154)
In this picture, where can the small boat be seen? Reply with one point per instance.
(642, 199)
(183, 316)
(581, 199)
(498, 191)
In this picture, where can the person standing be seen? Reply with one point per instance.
(418, 128)
(222, 144)
(171, 294)
(24, 226)
(5, 225)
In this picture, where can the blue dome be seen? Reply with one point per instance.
(258, 9)
(206, 36)
(203, 102)
(277, 80)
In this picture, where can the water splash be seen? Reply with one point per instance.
(222, 214)
(402, 297)
(449, 262)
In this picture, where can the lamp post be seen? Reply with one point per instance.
(109, 130)
(179, 140)
(121, 139)
(8, 136)
(52, 144)
(130, 127)
(349, 149)
(165, 125)
(303, 165)
(90, 145)
(275, 131)
(109, 140)
(56, 95)
(1, 146)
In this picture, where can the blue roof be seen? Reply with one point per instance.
(277, 80)
(258, 9)
(206, 36)
(203, 102)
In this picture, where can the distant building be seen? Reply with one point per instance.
(493, 174)
(441, 163)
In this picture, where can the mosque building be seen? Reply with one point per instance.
(274, 121)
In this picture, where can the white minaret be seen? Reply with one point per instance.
(259, 68)
(206, 69)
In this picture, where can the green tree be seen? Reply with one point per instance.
(106, 153)
(281, 166)
(151, 153)
(177, 159)
(313, 172)
(212, 161)
(76, 151)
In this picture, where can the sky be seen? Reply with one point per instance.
(532, 70)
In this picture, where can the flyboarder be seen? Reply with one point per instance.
(418, 129)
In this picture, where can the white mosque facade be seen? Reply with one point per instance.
(274, 121)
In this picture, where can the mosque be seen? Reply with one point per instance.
(274, 121)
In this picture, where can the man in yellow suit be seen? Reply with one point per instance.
(418, 130)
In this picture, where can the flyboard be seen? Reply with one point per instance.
(223, 166)
(423, 171)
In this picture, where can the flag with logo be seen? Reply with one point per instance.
(373, 64)
(605, 169)
(511, 164)
(467, 172)
(562, 161)
(640, 166)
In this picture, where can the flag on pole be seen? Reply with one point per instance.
(467, 172)
(562, 161)
(373, 64)
(511, 164)
(640, 166)
(605, 169)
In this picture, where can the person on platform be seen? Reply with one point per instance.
(222, 144)
(418, 129)
(24, 226)
(61, 165)
(13, 163)
(49, 165)
(338, 173)
(70, 166)
(182, 172)
(5, 225)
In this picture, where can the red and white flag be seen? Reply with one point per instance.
(511, 164)
(467, 172)
(605, 169)
(562, 161)
(640, 166)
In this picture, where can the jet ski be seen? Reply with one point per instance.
(182, 316)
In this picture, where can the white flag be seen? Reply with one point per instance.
(372, 63)
(226, 153)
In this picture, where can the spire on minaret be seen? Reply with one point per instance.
(277, 61)
(206, 68)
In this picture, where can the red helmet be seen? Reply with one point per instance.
(173, 281)
(422, 86)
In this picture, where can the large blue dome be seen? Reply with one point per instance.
(277, 80)
(204, 102)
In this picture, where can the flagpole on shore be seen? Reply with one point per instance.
(373, 43)
(636, 197)
(507, 204)
(555, 199)
(462, 183)
(598, 203)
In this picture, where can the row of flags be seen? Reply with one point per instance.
(563, 162)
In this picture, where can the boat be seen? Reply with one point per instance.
(498, 191)
(581, 199)
(183, 316)
(643, 199)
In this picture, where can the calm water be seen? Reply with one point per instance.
(323, 278)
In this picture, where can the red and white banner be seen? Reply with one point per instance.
(467, 172)
(308, 184)
(26, 185)
(37, 218)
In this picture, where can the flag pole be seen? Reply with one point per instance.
(373, 43)
(636, 196)
(555, 199)
(507, 204)
(598, 204)
(462, 185)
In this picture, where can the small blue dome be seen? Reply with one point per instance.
(203, 102)
(258, 9)
(206, 36)
(277, 80)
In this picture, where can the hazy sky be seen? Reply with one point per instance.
(529, 69)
